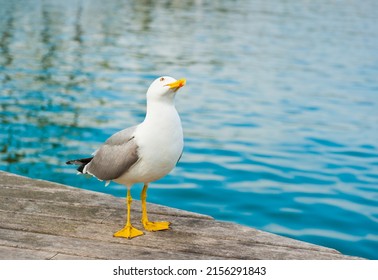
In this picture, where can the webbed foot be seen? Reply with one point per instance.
(128, 232)
(155, 226)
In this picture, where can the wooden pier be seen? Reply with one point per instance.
(45, 220)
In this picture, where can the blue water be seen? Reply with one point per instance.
(280, 111)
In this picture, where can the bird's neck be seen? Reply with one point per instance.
(160, 111)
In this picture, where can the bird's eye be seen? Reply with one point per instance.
(161, 79)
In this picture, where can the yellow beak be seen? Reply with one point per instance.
(176, 85)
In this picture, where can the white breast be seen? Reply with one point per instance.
(160, 144)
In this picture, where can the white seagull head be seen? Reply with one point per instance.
(164, 88)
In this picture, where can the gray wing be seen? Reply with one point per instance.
(115, 156)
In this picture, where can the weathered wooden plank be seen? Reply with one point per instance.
(61, 221)
(56, 193)
(61, 256)
(184, 242)
(14, 253)
(86, 248)
(190, 228)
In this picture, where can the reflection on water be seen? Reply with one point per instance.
(280, 110)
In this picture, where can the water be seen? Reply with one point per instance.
(279, 112)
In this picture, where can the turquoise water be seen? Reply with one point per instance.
(280, 111)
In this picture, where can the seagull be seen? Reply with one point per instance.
(143, 153)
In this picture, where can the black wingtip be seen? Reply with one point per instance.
(82, 162)
(81, 167)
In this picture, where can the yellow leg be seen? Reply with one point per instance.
(128, 231)
(150, 226)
